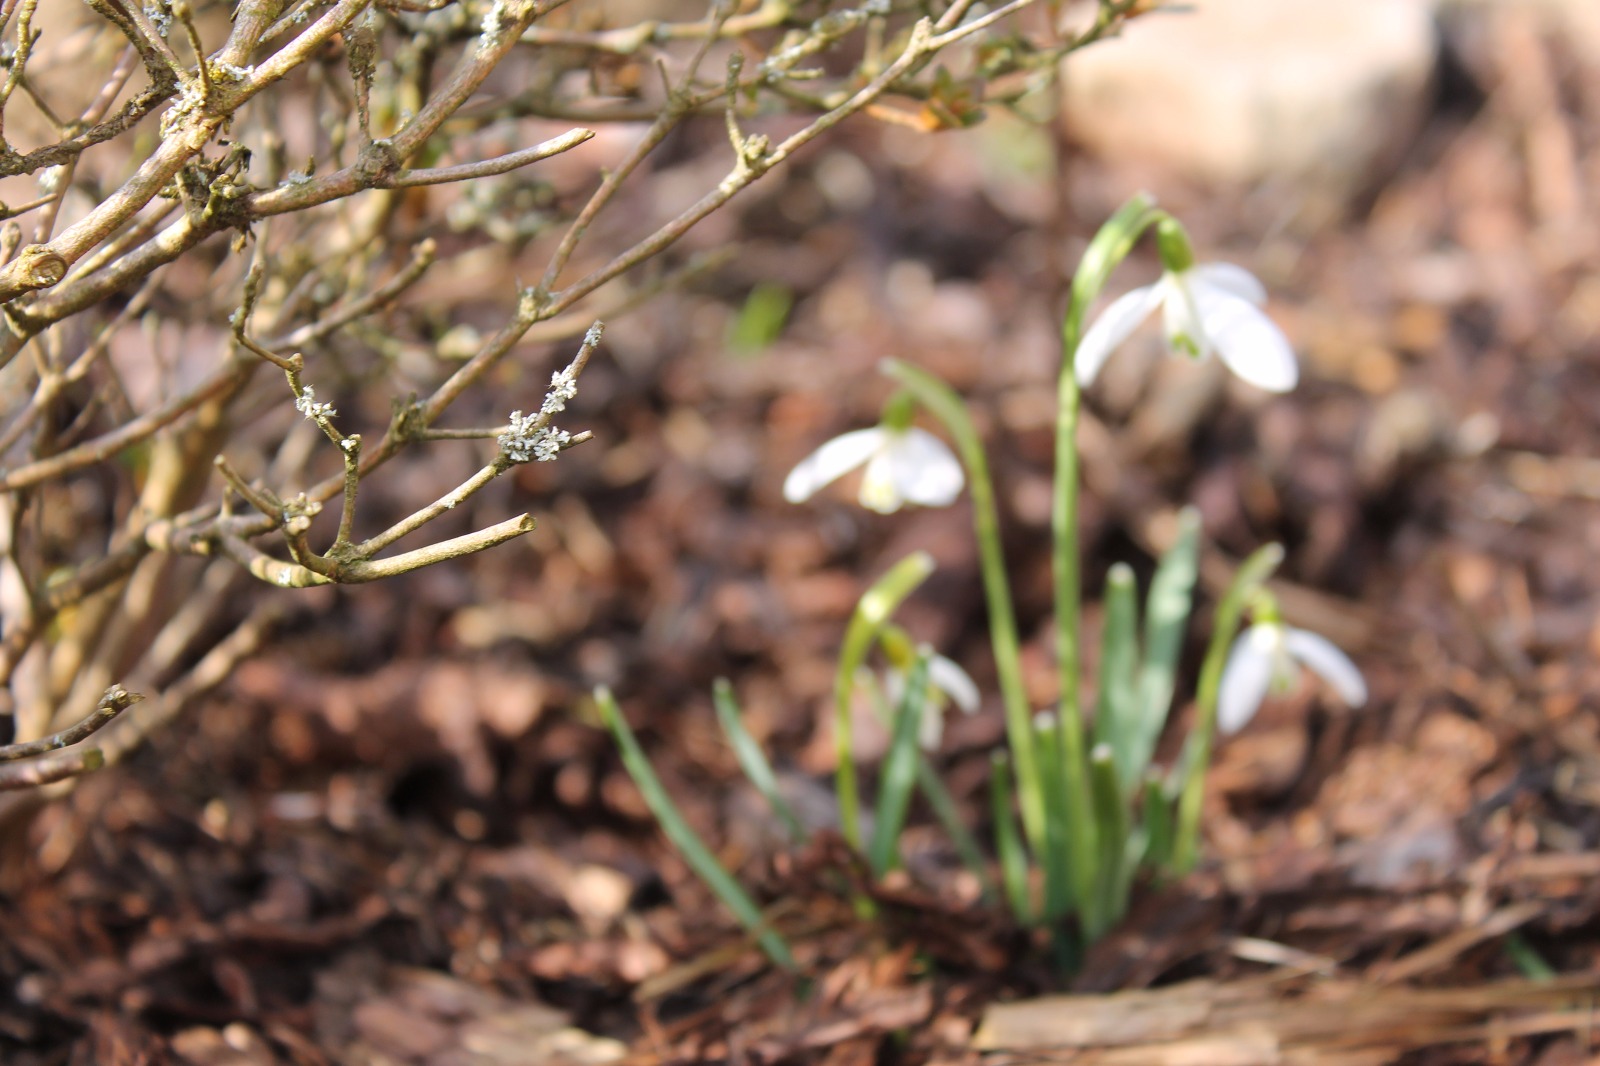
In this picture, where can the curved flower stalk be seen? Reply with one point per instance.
(1205, 308)
(904, 465)
(1265, 658)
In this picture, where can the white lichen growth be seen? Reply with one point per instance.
(159, 12)
(50, 179)
(530, 438)
(190, 100)
(494, 24)
(563, 387)
(551, 444)
(230, 71)
(306, 403)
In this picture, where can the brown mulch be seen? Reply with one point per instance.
(400, 838)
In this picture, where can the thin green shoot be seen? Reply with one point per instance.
(685, 839)
(752, 760)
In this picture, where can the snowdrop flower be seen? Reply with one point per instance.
(905, 465)
(1264, 657)
(946, 681)
(1205, 308)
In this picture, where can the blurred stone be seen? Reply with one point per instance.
(1578, 21)
(1239, 91)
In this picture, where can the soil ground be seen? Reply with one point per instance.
(401, 838)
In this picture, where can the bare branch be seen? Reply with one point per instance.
(116, 700)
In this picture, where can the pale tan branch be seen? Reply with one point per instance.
(103, 447)
(503, 164)
(116, 700)
(380, 169)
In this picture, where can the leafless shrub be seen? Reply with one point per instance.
(148, 458)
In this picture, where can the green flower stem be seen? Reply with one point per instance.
(1252, 574)
(943, 403)
(1109, 247)
(872, 611)
(683, 836)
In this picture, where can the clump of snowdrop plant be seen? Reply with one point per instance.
(1079, 807)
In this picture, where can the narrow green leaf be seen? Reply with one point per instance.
(683, 836)
(1059, 890)
(899, 777)
(1113, 825)
(752, 760)
(1526, 959)
(1157, 820)
(943, 805)
(1166, 619)
(761, 319)
(1008, 843)
(945, 810)
(1116, 720)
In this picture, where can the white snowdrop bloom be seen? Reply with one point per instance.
(946, 681)
(904, 466)
(1210, 307)
(1264, 657)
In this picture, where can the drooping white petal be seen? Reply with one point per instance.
(954, 682)
(924, 469)
(1114, 326)
(880, 485)
(1229, 278)
(1247, 340)
(930, 731)
(832, 461)
(1247, 675)
(1181, 316)
(1329, 663)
